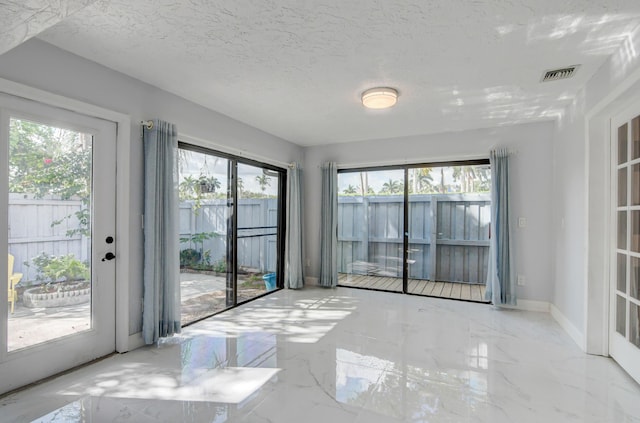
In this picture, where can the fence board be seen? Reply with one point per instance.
(448, 236)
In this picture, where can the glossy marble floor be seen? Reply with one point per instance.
(345, 355)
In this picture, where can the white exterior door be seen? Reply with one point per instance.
(57, 197)
(624, 331)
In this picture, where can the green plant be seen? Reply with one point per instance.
(67, 268)
(189, 257)
(57, 269)
(198, 238)
(220, 266)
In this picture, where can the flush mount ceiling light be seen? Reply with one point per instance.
(379, 98)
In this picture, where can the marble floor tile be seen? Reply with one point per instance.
(345, 355)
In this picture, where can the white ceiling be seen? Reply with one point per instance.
(296, 68)
(23, 19)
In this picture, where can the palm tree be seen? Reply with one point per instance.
(466, 175)
(263, 181)
(422, 181)
(240, 186)
(350, 190)
(392, 187)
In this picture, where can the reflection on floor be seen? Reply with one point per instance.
(458, 291)
(202, 295)
(345, 355)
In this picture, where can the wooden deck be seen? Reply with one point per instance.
(458, 291)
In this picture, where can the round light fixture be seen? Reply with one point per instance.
(379, 98)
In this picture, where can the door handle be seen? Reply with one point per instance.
(109, 256)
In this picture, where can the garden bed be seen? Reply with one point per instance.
(62, 294)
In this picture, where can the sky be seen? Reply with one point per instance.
(195, 164)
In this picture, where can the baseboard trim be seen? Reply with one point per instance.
(529, 305)
(570, 328)
(311, 281)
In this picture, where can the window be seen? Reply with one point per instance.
(418, 229)
(231, 230)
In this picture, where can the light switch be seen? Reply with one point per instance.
(522, 222)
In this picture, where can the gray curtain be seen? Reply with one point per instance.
(329, 226)
(161, 313)
(501, 284)
(294, 275)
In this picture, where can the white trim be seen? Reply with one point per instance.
(529, 305)
(231, 150)
(123, 233)
(135, 341)
(613, 95)
(123, 171)
(593, 116)
(577, 336)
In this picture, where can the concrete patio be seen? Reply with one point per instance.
(202, 295)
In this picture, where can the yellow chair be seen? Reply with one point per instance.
(14, 278)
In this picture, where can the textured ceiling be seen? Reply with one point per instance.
(296, 68)
(23, 19)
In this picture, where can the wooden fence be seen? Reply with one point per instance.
(448, 236)
(31, 231)
(255, 251)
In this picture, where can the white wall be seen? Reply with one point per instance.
(531, 177)
(569, 213)
(46, 67)
(581, 189)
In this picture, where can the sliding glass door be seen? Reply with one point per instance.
(370, 229)
(449, 215)
(257, 235)
(231, 230)
(422, 230)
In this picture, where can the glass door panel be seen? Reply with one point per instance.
(49, 232)
(230, 230)
(205, 212)
(624, 339)
(257, 236)
(371, 229)
(449, 219)
(58, 203)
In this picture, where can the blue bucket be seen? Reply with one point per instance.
(269, 281)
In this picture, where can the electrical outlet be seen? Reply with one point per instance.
(521, 280)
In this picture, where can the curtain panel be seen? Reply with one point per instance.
(329, 226)
(294, 274)
(501, 284)
(161, 312)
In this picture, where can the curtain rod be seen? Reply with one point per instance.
(147, 124)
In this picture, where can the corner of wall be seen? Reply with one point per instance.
(575, 334)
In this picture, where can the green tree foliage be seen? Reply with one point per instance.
(198, 189)
(392, 187)
(49, 161)
(472, 178)
(44, 160)
(264, 181)
(351, 190)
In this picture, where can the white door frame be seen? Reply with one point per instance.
(597, 129)
(123, 213)
(620, 344)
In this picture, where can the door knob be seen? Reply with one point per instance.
(109, 256)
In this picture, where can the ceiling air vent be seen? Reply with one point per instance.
(557, 74)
